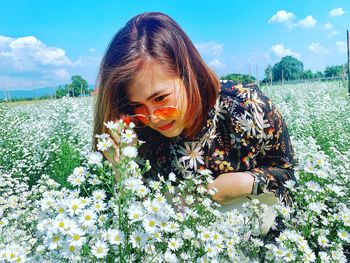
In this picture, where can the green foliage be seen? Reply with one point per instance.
(241, 78)
(334, 71)
(307, 74)
(291, 67)
(64, 160)
(79, 86)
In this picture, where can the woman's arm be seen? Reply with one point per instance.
(274, 156)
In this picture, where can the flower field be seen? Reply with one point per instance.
(59, 201)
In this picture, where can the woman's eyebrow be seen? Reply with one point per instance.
(155, 94)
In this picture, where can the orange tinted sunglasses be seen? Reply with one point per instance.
(163, 113)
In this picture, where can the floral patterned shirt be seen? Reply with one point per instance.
(244, 132)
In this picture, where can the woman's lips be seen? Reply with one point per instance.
(166, 126)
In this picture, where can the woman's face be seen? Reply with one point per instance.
(152, 89)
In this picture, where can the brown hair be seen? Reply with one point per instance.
(153, 36)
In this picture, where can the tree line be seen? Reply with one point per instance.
(290, 68)
(78, 87)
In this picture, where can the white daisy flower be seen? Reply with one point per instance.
(130, 151)
(138, 239)
(174, 244)
(128, 136)
(344, 235)
(322, 241)
(74, 206)
(79, 171)
(313, 186)
(70, 251)
(99, 195)
(135, 213)
(193, 154)
(95, 158)
(111, 125)
(150, 224)
(170, 257)
(211, 250)
(104, 144)
(88, 218)
(115, 237)
(76, 237)
(99, 249)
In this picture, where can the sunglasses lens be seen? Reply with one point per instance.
(167, 113)
(139, 120)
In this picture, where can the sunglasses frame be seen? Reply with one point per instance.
(130, 117)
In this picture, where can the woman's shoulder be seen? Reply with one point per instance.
(232, 88)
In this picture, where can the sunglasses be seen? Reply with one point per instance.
(163, 113)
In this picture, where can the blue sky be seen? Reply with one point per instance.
(44, 43)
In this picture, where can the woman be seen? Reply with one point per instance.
(153, 72)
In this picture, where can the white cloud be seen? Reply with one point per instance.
(215, 63)
(332, 33)
(210, 48)
(341, 46)
(327, 26)
(307, 22)
(61, 74)
(336, 12)
(316, 48)
(280, 51)
(282, 16)
(27, 63)
(92, 50)
(29, 53)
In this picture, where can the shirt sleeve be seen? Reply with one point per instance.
(275, 157)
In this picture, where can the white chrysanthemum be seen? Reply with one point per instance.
(174, 244)
(88, 218)
(172, 227)
(322, 241)
(99, 206)
(188, 234)
(128, 136)
(74, 206)
(344, 235)
(135, 213)
(289, 184)
(133, 184)
(99, 249)
(192, 153)
(130, 151)
(150, 224)
(138, 239)
(211, 250)
(95, 158)
(111, 125)
(313, 186)
(54, 241)
(170, 257)
(79, 171)
(76, 180)
(99, 195)
(115, 237)
(76, 237)
(70, 251)
(104, 144)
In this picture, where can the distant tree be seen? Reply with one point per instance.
(241, 78)
(62, 91)
(307, 74)
(333, 71)
(292, 69)
(78, 86)
(268, 74)
(318, 75)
